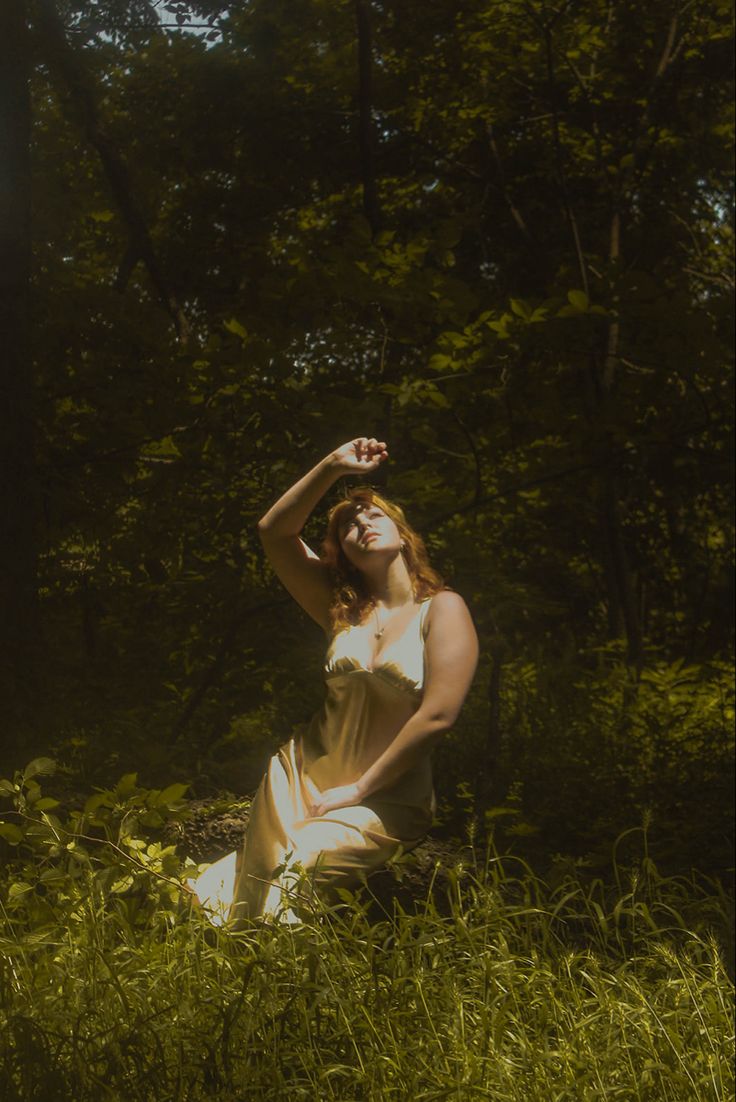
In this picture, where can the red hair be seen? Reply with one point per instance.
(351, 596)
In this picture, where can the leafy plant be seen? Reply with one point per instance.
(514, 987)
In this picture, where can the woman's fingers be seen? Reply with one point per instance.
(367, 452)
(364, 449)
(375, 450)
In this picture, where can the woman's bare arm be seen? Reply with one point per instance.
(451, 652)
(451, 655)
(295, 564)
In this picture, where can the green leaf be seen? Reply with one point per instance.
(7, 788)
(19, 889)
(437, 398)
(579, 300)
(39, 765)
(523, 829)
(11, 833)
(234, 326)
(453, 339)
(122, 885)
(497, 812)
(151, 818)
(133, 843)
(127, 785)
(163, 448)
(170, 795)
(96, 801)
(439, 362)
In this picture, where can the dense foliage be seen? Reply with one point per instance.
(498, 236)
(500, 985)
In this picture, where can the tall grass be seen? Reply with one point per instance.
(499, 986)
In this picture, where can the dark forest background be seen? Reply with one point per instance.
(498, 236)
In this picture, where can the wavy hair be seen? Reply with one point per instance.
(351, 596)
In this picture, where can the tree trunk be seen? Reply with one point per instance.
(69, 70)
(19, 617)
(623, 589)
(365, 97)
(486, 780)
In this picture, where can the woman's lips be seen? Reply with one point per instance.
(370, 536)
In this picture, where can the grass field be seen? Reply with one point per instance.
(498, 986)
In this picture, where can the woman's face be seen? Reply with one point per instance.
(369, 533)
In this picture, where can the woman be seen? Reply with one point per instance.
(357, 787)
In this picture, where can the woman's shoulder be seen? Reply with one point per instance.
(445, 598)
(445, 604)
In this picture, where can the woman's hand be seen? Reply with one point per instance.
(345, 795)
(360, 456)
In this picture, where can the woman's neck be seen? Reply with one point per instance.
(390, 585)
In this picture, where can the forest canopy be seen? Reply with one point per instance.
(498, 236)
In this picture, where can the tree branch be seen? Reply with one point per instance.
(514, 210)
(216, 668)
(610, 459)
(69, 70)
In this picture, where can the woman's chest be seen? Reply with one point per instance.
(362, 648)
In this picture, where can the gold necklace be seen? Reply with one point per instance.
(380, 630)
(377, 634)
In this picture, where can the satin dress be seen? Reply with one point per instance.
(365, 707)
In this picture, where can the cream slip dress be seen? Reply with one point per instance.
(365, 708)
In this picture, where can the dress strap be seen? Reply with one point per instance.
(423, 614)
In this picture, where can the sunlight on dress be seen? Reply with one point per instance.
(214, 887)
(365, 708)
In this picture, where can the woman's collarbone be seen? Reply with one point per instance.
(393, 631)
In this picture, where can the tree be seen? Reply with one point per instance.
(18, 497)
(498, 231)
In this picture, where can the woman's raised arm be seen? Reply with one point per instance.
(295, 564)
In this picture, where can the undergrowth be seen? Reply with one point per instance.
(499, 985)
